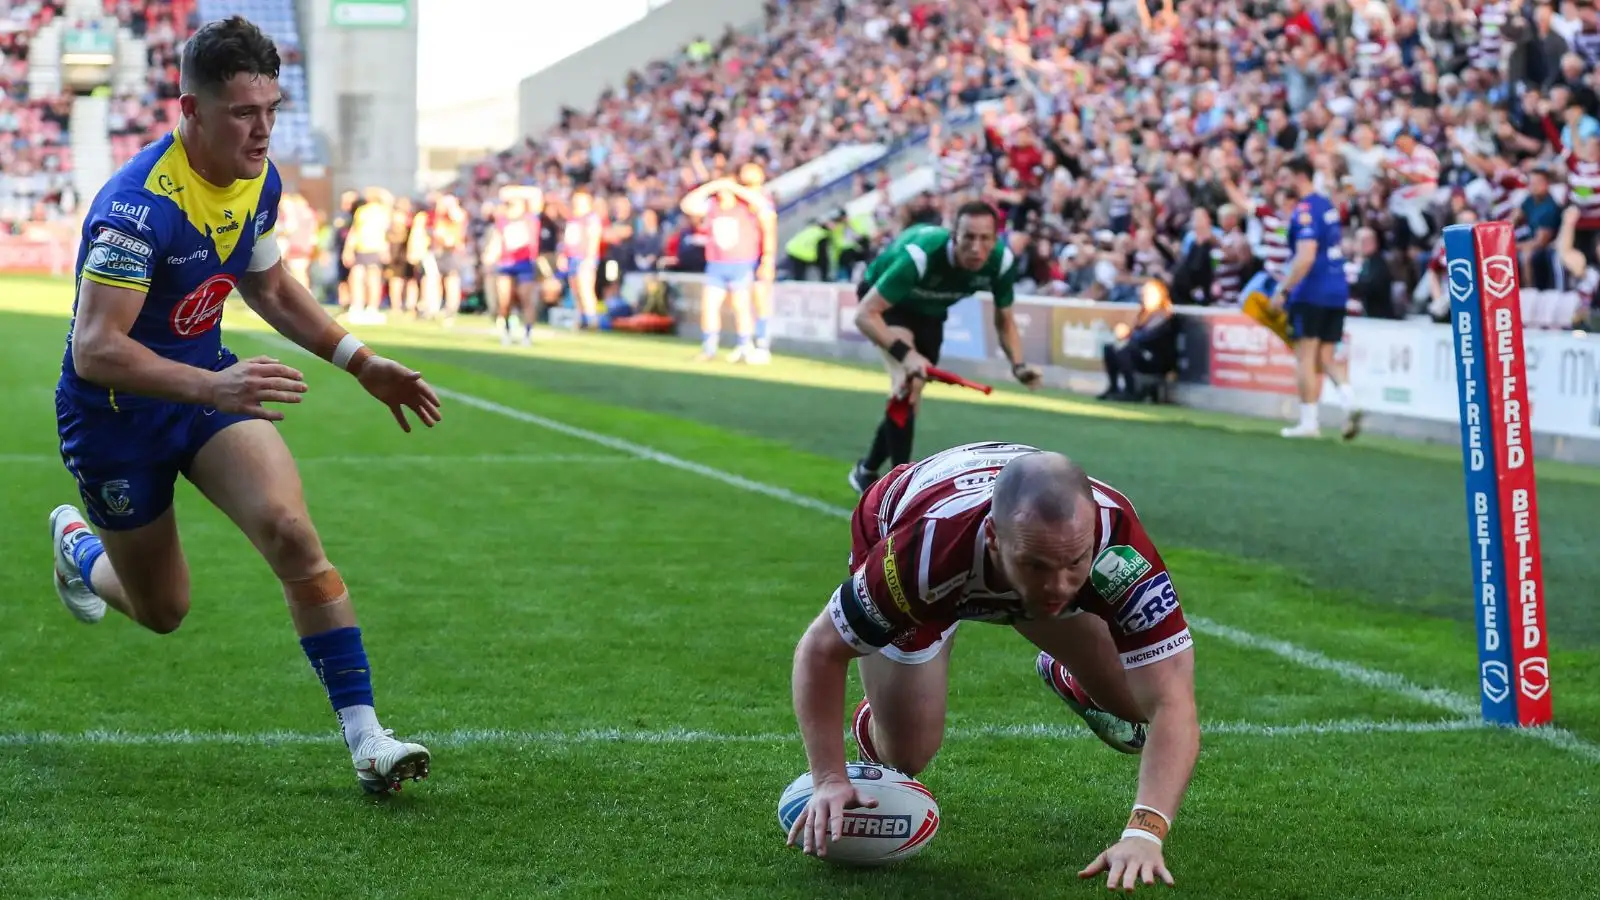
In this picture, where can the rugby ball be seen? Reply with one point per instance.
(904, 821)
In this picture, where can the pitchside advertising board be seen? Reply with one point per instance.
(1497, 461)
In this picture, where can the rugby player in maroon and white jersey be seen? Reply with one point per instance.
(1002, 533)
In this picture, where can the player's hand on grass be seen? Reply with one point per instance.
(400, 388)
(1028, 375)
(823, 818)
(1128, 862)
(248, 384)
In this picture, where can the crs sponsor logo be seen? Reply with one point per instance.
(200, 255)
(1153, 601)
(114, 238)
(115, 496)
(1535, 675)
(137, 213)
(871, 825)
(1496, 681)
(201, 309)
(1116, 569)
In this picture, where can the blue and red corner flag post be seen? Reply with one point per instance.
(1497, 457)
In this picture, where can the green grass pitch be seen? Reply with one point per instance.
(584, 588)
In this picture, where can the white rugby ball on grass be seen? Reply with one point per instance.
(904, 821)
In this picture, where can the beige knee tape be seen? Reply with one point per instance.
(316, 590)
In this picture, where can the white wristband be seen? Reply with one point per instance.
(342, 354)
(1140, 833)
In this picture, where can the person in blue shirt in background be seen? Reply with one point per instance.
(1317, 291)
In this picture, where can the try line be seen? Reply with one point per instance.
(471, 737)
(1449, 701)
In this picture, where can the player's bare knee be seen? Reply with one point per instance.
(290, 543)
(910, 756)
(162, 613)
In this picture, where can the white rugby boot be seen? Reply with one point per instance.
(67, 528)
(1118, 734)
(384, 763)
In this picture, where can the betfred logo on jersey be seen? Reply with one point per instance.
(1116, 569)
(1146, 607)
(114, 238)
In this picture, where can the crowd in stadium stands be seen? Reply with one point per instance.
(1128, 141)
(35, 160)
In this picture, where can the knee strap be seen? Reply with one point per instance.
(315, 590)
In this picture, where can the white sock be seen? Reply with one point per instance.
(1347, 396)
(358, 722)
(1308, 415)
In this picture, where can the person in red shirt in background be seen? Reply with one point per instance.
(297, 236)
(580, 255)
(734, 222)
(513, 243)
(753, 177)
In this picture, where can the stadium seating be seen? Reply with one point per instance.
(292, 140)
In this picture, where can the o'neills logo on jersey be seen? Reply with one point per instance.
(201, 309)
(229, 226)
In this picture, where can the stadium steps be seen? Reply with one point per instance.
(44, 62)
(131, 74)
(91, 144)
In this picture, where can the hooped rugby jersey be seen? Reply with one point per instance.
(928, 566)
(160, 229)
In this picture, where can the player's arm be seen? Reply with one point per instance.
(1006, 333)
(1165, 691)
(894, 286)
(290, 309)
(1303, 231)
(103, 352)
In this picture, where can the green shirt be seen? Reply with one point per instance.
(919, 271)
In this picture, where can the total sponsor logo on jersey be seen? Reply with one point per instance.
(137, 213)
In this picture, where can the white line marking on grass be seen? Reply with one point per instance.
(468, 737)
(1439, 698)
(1449, 701)
(396, 458)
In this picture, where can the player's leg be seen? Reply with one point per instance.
(583, 281)
(125, 465)
(1079, 661)
(527, 301)
(712, 295)
(1308, 380)
(901, 721)
(761, 301)
(892, 440)
(139, 572)
(739, 295)
(1329, 332)
(505, 293)
(245, 468)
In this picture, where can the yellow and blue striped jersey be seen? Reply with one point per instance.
(160, 229)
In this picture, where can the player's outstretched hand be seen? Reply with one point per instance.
(400, 388)
(1128, 862)
(1028, 375)
(246, 385)
(823, 818)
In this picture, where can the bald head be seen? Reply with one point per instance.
(1039, 489)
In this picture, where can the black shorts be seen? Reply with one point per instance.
(1322, 323)
(927, 332)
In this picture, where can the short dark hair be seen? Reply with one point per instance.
(977, 208)
(1301, 165)
(222, 49)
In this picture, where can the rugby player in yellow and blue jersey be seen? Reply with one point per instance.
(148, 391)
